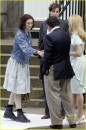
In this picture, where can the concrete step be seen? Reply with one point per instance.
(31, 66)
(34, 71)
(27, 103)
(9, 42)
(7, 45)
(8, 49)
(34, 60)
(35, 81)
(34, 94)
(11, 34)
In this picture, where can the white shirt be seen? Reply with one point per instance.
(52, 29)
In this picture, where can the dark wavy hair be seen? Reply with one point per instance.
(55, 5)
(23, 20)
(53, 21)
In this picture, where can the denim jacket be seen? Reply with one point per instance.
(22, 48)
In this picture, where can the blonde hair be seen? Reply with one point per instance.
(76, 26)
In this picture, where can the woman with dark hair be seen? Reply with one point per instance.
(17, 77)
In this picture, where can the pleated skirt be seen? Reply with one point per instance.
(17, 77)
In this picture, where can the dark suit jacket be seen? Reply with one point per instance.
(42, 33)
(56, 53)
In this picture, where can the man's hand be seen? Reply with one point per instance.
(47, 72)
(41, 53)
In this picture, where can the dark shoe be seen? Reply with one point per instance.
(45, 117)
(21, 117)
(9, 113)
(72, 125)
(56, 126)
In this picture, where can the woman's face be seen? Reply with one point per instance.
(29, 24)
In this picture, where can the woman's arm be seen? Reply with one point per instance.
(78, 51)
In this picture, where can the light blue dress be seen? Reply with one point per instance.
(77, 82)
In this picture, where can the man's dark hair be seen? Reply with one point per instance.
(53, 21)
(23, 20)
(53, 6)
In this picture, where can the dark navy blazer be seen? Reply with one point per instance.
(56, 53)
(42, 33)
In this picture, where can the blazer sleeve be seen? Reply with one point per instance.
(48, 52)
(40, 42)
(65, 27)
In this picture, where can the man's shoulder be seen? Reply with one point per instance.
(59, 32)
(64, 24)
(44, 26)
(55, 32)
(63, 21)
(43, 22)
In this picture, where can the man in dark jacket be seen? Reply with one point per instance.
(54, 10)
(58, 73)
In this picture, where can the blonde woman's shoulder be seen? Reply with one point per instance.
(76, 38)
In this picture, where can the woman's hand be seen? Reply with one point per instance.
(41, 53)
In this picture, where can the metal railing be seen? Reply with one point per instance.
(71, 7)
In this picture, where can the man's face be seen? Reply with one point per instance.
(55, 12)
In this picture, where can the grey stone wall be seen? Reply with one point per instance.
(3, 18)
(11, 11)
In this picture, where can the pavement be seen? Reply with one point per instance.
(41, 111)
(34, 110)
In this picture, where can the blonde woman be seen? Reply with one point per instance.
(78, 36)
